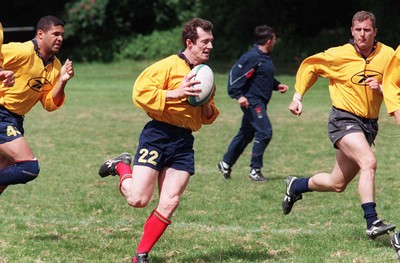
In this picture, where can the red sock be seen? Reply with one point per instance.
(153, 230)
(124, 171)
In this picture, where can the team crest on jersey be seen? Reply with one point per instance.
(360, 77)
(37, 83)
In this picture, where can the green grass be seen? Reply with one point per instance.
(69, 214)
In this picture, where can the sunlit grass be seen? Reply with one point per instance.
(69, 214)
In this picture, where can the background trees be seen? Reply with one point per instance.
(109, 29)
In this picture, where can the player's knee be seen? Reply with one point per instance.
(339, 187)
(369, 166)
(29, 170)
(264, 135)
(137, 202)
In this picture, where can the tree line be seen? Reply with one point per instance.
(105, 30)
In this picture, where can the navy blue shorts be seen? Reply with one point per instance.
(163, 145)
(11, 125)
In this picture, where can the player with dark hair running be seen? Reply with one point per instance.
(355, 71)
(165, 154)
(39, 76)
(251, 83)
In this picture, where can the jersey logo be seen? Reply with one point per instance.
(360, 77)
(37, 84)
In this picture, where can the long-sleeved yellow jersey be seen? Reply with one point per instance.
(149, 93)
(1, 43)
(391, 83)
(347, 71)
(34, 81)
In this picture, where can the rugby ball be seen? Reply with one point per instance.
(206, 77)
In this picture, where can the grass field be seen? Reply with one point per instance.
(69, 214)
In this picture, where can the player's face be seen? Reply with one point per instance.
(364, 34)
(202, 48)
(52, 40)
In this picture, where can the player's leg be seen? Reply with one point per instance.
(236, 147)
(262, 136)
(18, 164)
(356, 148)
(171, 185)
(135, 185)
(344, 171)
(340, 123)
(138, 189)
(4, 162)
(244, 136)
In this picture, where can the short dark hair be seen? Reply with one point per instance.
(362, 16)
(190, 29)
(46, 22)
(262, 33)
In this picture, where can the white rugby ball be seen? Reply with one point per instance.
(206, 77)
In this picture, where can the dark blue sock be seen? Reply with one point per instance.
(370, 214)
(19, 173)
(300, 186)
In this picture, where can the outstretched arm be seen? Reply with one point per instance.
(67, 72)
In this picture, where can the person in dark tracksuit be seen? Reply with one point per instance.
(251, 82)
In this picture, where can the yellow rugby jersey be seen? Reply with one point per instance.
(149, 94)
(391, 83)
(347, 71)
(33, 80)
(1, 43)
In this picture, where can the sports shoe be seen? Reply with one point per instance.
(395, 241)
(290, 198)
(141, 258)
(226, 172)
(379, 228)
(108, 167)
(257, 176)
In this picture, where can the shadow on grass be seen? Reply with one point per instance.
(224, 256)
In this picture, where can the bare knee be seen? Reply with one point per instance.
(339, 187)
(369, 166)
(137, 202)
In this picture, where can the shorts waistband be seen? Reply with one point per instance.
(10, 112)
(170, 126)
(359, 117)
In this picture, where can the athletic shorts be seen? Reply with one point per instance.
(343, 122)
(11, 125)
(163, 145)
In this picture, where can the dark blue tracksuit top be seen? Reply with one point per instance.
(252, 76)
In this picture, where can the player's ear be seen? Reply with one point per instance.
(189, 43)
(39, 33)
